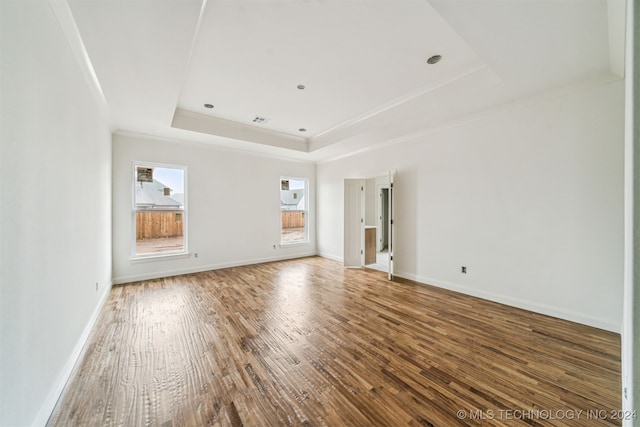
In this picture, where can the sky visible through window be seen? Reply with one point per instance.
(295, 184)
(172, 178)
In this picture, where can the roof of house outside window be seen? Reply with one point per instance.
(292, 199)
(150, 195)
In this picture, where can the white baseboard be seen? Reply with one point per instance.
(201, 268)
(518, 303)
(330, 256)
(49, 404)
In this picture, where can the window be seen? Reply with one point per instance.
(293, 210)
(159, 212)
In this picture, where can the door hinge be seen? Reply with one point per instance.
(361, 188)
(361, 252)
(392, 185)
(361, 220)
(391, 222)
(391, 258)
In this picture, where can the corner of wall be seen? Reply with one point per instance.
(64, 375)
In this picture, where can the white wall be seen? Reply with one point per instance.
(233, 206)
(55, 212)
(530, 199)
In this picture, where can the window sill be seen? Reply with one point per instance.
(289, 244)
(159, 257)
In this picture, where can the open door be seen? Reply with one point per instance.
(390, 225)
(353, 223)
(357, 222)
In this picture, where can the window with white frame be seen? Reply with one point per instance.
(293, 210)
(159, 212)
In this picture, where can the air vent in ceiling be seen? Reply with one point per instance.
(260, 120)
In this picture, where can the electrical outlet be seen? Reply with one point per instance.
(274, 247)
(195, 255)
(463, 269)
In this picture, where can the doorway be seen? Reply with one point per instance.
(383, 219)
(368, 219)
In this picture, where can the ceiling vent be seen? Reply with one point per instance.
(260, 120)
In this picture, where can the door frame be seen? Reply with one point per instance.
(354, 224)
(382, 215)
(353, 252)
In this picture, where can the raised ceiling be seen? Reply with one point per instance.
(363, 65)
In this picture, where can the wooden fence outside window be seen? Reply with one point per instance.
(292, 219)
(151, 225)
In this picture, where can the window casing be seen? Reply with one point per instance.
(159, 210)
(294, 210)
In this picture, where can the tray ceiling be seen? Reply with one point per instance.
(363, 65)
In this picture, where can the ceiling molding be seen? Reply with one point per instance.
(521, 103)
(205, 143)
(399, 101)
(196, 32)
(480, 76)
(67, 24)
(196, 122)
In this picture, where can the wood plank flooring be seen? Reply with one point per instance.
(306, 342)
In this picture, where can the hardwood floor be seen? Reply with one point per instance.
(306, 342)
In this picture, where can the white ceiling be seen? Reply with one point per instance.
(363, 64)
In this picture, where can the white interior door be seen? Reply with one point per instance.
(353, 223)
(390, 225)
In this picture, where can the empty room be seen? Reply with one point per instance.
(322, 213)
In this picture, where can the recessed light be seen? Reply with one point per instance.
(208, 106)
(434, 59)
(301, 87)
(302, 130)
